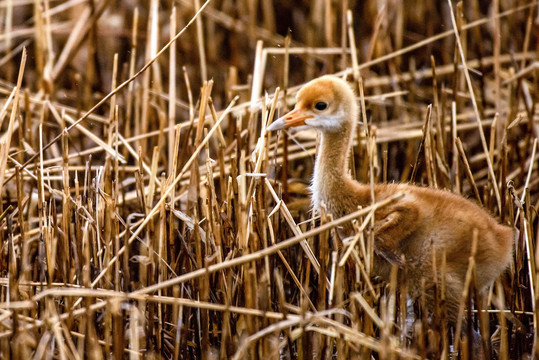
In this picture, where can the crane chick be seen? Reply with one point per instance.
(407, 228)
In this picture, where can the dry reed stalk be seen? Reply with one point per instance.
(6, 141)
(172, 90)
(296, 230)
(84, 25)
(467, 169)
(475, 108)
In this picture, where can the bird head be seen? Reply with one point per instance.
(327, 104)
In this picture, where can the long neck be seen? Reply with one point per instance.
(331, 165)
(333, 153)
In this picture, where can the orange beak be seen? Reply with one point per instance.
(294, 118)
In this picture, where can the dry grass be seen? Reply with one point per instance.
(133, 225)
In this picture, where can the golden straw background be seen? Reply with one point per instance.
(145, 211)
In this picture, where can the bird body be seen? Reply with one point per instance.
(424, 219)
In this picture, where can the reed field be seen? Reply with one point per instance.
(145, 211)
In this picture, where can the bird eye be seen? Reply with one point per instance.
(321, 105)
